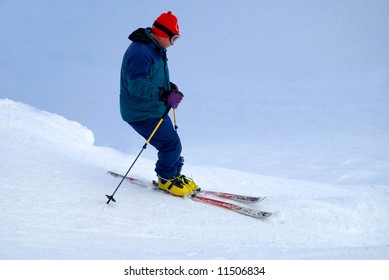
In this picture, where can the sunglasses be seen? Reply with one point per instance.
(174, 38)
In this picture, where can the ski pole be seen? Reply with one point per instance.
(110, 197)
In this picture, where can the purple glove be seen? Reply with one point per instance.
(174, 98)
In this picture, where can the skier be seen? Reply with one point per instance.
(145, 94)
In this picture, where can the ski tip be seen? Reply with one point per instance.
(266, 214)
(261, 215)
(260, 198)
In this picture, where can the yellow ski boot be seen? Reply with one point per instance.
(190, 183)
(175, 186)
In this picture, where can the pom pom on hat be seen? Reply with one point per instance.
(166, 25)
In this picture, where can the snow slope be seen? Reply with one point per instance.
(52, 205)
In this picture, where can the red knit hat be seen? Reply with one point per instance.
(166, 25)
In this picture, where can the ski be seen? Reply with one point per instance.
(226, 195)
(233, 207)
(255, 213)
(236, 197)
(226, 205)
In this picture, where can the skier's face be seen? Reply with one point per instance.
(164, 42)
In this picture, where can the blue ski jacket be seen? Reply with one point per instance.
(144, 71)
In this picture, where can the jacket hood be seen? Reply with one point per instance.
(140, 36)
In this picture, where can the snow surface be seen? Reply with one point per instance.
(287, 99)
(53, 205)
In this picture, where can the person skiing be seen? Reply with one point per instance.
(145, 94)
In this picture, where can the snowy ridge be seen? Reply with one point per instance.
(53, 184)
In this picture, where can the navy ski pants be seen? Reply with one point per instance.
(166, 141)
